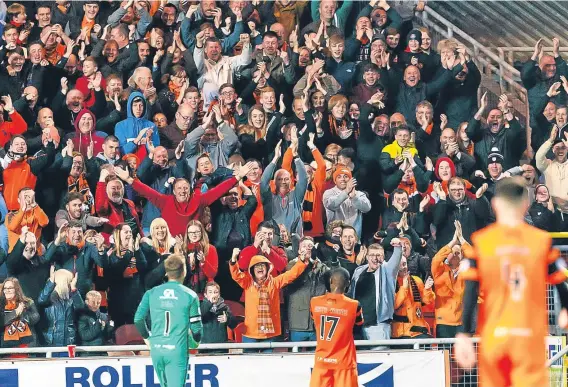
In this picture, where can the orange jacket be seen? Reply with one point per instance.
(258, 214)
(34, 218)
(246, 281)
(406, 309)
(449, 290)
(9, 129)
(17, 176)
(317, 184)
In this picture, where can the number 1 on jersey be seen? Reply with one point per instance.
(168, 321)
(333, 321)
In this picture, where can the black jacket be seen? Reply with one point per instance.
(32, 273)
(213, 330)
(472, 214)
(90, 331)
(225, 220)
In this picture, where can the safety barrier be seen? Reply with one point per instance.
(456, 376)
(489, 63)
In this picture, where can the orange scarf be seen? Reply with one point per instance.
(18, 331)
(176, 90)
(131, 269)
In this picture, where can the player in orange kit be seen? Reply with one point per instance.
(510, 262)
(335, 316)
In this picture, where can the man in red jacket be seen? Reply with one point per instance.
(185, 204)
(111, 204)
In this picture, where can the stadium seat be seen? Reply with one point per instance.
(128, 335)
(237, 309)
(238, 333)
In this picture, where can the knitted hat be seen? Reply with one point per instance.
(341, 170)
(415, 35)
(495, 156)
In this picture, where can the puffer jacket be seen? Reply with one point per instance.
(77, 260)
(251, 290)
(59, 315)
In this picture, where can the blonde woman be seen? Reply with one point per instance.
(156, 249)
(127, 265)
(60, 300)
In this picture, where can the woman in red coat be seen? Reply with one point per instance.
(202, 259)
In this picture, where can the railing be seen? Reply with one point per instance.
(489, 63)
(294, 346)
(511, 54)
(459, 377)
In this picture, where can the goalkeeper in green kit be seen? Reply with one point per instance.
(173, 310)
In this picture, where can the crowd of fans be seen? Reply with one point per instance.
(267, 142)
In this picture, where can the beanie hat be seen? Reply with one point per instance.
(415, 35)
(495, 156)
(341, 170)
(449, 161)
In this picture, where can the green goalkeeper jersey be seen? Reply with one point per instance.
(173, 309)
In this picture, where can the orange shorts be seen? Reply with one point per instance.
(518, 367)
(324, 377)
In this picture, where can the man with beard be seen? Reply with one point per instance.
(166, 19)
(29, 215)
(111, 204)
(555, 171)
(472, 213)
(69, 251)
(284, 206)
(344, 202)
(503, 131)
(19, 170)
(76, 211)
(373, 285)
(537, 77)
(156, 172)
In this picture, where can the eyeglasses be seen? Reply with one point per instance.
(228, 93)
(194, 233)
(185, 118)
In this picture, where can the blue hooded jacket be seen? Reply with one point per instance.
(127, 130)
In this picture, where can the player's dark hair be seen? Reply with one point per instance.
(339, 277)
(74, 196)
(266, 224)
(512, 189)
(175, 266)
